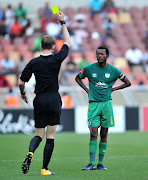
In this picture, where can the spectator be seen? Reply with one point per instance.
(45, 12)
(53, 27)
(24, 20)
(134, 57)
(1, 14)
(16, 30)
(3, 82)
(80, 26)
(80, 20)
(11, 99)
(28, 30)
(76, 43)
(2, 28)
(145, 40)
(95, 34)
(21, 64)
(14, 54)
(124, 16)
(20, 11)
(108, 25)
(42, 25)
(59, 44)
(146, 61)
(109, 7)
(83, 62)
(96, 6)
(70, 67)
(66, 101)
(37, 43)
(103, 41)
(8, 66)
(9, 18)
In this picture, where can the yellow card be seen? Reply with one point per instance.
(55, 9)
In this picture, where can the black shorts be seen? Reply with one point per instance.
(47, 109)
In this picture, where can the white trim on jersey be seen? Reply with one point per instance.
(122, 76)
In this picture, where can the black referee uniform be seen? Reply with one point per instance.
(47, 103)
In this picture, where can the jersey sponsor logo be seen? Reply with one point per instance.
(101, 84)
(82, 71)
(94, 75)
(107, 75)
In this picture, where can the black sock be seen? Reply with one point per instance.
(48, 152)
(34, 143)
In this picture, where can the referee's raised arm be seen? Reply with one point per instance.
(64, 29)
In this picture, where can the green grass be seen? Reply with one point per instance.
(126, 157)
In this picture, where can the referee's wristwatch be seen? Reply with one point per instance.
(62, 22)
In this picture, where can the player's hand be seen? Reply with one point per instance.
(25, 98)
(61, 16)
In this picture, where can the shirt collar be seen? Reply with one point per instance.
(46, 54)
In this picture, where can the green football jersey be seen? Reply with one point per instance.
(101, 81)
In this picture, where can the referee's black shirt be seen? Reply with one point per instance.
(46, 71)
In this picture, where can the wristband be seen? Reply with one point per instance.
(23, 93)
(62, 22)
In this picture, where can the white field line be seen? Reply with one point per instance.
(107, 157)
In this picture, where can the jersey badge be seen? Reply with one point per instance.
(94, 75)
(107, 75)
(82, 71)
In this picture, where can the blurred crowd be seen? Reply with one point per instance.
(124, 31)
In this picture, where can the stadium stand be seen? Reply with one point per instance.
(130, 27)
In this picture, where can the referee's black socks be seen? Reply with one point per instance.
(34, 143)
(49, 146)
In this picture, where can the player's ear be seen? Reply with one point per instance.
(53, 47)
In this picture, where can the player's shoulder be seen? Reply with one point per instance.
(34, 59)
(114, 70)
(112, 67)
(90, 66)
(64, 47)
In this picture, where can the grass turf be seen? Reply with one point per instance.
(126, 157)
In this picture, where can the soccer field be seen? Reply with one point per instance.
(126, 157)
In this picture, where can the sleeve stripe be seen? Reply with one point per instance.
(122, 76)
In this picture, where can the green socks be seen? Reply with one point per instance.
(92, 151)
(102, 150)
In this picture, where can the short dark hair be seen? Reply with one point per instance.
(104, 47)
(48, 41)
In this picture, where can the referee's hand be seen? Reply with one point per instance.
(25, 98)
(61, 16)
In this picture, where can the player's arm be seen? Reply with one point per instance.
(22, 90)
(126, 84)
(64, 29)
(80, 82)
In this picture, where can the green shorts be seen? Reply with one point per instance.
(100, 114)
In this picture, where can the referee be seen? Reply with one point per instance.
(47, 103)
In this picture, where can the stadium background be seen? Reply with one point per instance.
(128, 32)
(130, 105)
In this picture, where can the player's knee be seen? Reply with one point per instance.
(93, 136)
(103, 136)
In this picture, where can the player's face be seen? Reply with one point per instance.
(101, 55)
